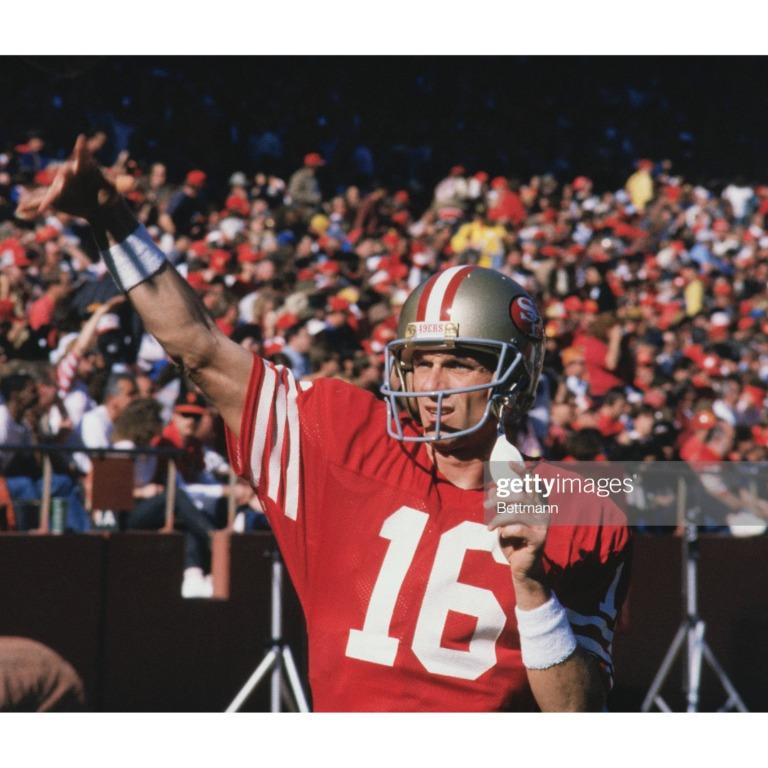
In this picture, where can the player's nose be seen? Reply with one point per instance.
(435, 379)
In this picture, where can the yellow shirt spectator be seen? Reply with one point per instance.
(640, 186)
(487, 240)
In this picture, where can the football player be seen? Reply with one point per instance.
(412, 601)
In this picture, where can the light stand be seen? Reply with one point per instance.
(691, 633)
(278, 658)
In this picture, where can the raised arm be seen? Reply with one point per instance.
(169, 308)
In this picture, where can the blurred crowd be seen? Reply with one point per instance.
(653, 297)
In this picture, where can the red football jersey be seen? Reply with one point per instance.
(407, 596)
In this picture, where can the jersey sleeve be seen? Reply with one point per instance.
(289, 433)
(593, 584)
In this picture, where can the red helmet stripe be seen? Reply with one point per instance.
(421, 310)
(450, 292)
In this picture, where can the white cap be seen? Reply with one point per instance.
(314, 326)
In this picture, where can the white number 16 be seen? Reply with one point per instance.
(444, 593)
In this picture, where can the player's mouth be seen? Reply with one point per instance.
(432, 412)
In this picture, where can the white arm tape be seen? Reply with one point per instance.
(546, 637)
(134, 260)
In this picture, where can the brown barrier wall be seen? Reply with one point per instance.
(111, 605)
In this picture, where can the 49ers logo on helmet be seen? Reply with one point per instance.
(526, 317)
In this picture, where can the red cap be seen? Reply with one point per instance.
(573, 304)
(219, 261)
(590, 307)
(694, 352)
(199, 248)
(338, 304)
(196, 280)
(237, 204)
(190, 404)
(760, 435)
(401, 218)
(481, 176)
(401, 197)
(655, 398)
(45, 177)
(755, 394)
(581, 182)
(329, 268)
(273, 347)
(305, 275)
(722, 288)
(246, 254)
(286, 321)
(499, 182)
(196, 178)
(44, 234)
(314, 160)
(397, 271)
(458, 170)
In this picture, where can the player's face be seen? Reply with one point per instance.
(446, 370)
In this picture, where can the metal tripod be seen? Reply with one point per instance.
(691, 636)
(278, 658)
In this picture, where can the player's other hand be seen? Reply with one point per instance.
(78, 188)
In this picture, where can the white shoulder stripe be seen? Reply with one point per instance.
(263, 410)
(294, 455)
(278, 438)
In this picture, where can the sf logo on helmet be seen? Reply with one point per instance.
(526, 317)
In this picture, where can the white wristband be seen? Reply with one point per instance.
(134, 260)
(546, 637)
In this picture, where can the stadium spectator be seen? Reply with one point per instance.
(452, 195)
(303, 186)
(140, 425)
(21, 468)
(297, 345)
(640, 185)
(186, 208)
(97, 424)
